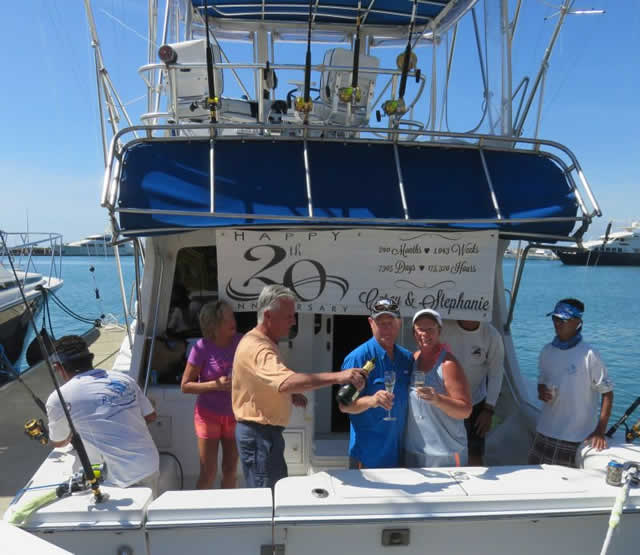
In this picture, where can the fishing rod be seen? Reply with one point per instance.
(406, 62)
(212, 99)
(90, 476)
(303, 103)
(623, 418)
(353, 93)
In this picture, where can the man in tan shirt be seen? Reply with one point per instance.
(263, 389)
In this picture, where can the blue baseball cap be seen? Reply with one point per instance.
(565, 311)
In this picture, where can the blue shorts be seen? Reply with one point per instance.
(261, 452)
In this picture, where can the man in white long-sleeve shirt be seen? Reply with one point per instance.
(479, 349)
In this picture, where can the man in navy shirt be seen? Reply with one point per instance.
(375, 442)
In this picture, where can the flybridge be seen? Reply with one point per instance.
(352, 138)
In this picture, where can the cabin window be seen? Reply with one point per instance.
(195, 283)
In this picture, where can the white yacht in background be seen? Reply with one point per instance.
(532, 253)
(14, 316)
(620, 248)
(95, 245)
(542, 254)
(336, 177)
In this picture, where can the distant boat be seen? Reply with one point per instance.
(538, 254)
(542, 254)
(95, 245)
(14, 316)
(621, 248)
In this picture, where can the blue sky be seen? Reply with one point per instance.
(50, 153)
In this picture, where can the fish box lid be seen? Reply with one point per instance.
(372, 494)
(433, 493)
(211, 508)
(122, 509)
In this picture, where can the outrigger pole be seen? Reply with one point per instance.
(76, 441)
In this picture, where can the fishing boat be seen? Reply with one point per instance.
(96, 245)
(620, 248)
(332, 172)
(18, 276)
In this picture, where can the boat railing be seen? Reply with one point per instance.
(483, 143)
(21, 247)
(176, 71)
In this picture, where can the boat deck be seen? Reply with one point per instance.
(20, 457)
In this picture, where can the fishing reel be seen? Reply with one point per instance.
(78, 481)
(302, 106)
(205, 104)
(413, 62)
(36, 430)
(394, 107)
(350, 94)
(633, 433)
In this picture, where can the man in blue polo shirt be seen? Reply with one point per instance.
(375, 442)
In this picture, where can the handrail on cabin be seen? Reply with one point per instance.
(482, 142)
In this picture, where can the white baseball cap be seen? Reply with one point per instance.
(435, 315)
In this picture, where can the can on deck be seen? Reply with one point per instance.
(614, 473)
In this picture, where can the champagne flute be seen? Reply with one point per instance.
(417, 378)
(389, 383)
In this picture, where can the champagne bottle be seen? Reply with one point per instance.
(348, 393)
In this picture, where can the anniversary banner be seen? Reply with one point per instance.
(343, 271)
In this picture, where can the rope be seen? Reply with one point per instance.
(618, 506)
(93, 321)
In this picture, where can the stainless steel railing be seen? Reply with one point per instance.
(559, 153)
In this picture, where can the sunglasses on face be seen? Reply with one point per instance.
(557, 320)
(385, 305)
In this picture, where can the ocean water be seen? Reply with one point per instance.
(612, 306)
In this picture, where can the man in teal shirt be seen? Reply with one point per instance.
(375, 442)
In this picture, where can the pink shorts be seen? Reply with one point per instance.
(210, 425)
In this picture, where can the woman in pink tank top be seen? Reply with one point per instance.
(208, 375)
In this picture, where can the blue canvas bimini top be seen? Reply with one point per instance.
(348, 180)
(381, 12)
